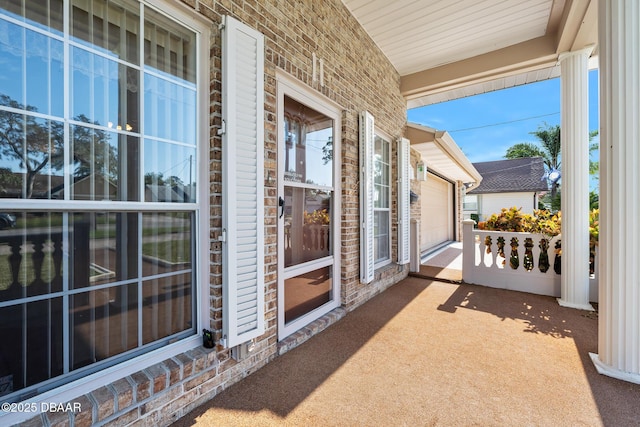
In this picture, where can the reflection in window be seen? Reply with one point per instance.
(83, 289)
(306, 292)
(110, 260)
(307, 225)
(32, 153)
(381, 201)
(308, 145)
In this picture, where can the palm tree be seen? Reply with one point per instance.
(549, 138)
(548, 147)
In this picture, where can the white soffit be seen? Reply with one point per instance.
(441, 154)
(484, 87)
(421, 34)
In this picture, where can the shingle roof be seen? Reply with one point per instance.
(510, 176)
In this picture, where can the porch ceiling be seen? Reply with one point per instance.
(446, 49)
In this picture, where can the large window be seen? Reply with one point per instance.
(98, 177)
(382, 201)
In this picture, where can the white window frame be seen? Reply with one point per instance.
(386, 261)
(86, 384)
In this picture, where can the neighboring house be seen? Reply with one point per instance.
(506, 183)
(441, 187)
(273, 111)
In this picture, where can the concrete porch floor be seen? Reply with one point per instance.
(434, 353)
(444, 264)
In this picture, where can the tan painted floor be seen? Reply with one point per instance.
(431, 353)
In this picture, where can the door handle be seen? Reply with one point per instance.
(281, 204)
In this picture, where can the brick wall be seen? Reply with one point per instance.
(358, 77)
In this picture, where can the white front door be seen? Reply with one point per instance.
(308, 207)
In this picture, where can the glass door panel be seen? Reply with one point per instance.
(306, 292)
(307, 225)
(308, 215)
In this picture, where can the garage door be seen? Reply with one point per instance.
(437, 212)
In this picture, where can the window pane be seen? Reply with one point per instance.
(307, 225)
(111, 28)
(104, 323)
(31, 345)
(12, 55)
(169, 48)
(167, 242)
(32, 152)
(306, 292)
(381, 236)
(308, 145)
(105, 248)
(170, 110)
(167, 307)
(32, 78)
(105, 165)
(43, 14)
(104, 92)
(31, 254)
(169, 172)
(95, 169)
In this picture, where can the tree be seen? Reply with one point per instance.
(549, 137)
(550, 151)
(33, 142)
(38, 143)
(93, 152)
(523, 149)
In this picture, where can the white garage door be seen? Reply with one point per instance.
(437, 212)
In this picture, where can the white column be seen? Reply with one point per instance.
(574, 88)
(619, 265)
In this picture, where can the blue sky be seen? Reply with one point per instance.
(484, 126)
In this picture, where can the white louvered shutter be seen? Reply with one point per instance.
(367, 261)
(403, 201)
(243, 178)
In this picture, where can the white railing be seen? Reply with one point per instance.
(511, 260)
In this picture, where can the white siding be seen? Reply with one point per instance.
(493, 203)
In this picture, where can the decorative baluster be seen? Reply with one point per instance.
(500, 253)
(543, 259)
(35, 287)
(557, 262)
(487, 256)
(15, 259)
(514, 259)
(527, 262)
(325, 238)
(56, 281)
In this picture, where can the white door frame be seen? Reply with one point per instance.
(287, 85)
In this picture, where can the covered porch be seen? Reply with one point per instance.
(449, 50)
(433, 353)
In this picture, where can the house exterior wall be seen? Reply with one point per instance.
(358, 77)
(489, 204)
